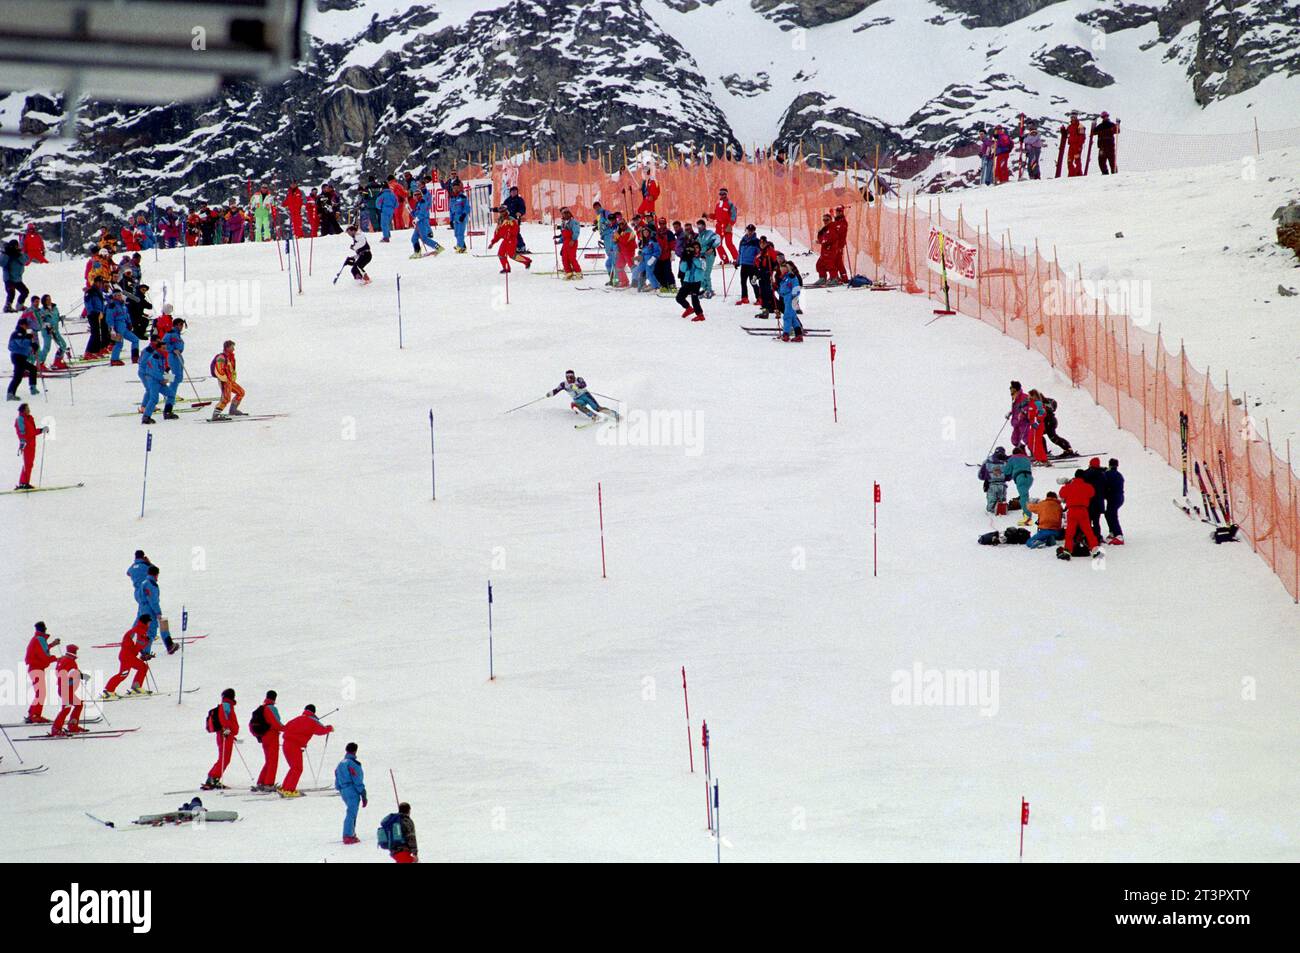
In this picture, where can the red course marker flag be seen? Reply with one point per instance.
(835, 406)
(1024, 822)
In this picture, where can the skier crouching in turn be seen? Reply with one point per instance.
(360, 256)
(580, 398)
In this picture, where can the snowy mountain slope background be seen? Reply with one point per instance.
(1146, 706)
(394, 85)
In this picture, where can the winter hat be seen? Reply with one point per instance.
(310, 708)
(1104, 114)
(1094, 462)
(72, 650)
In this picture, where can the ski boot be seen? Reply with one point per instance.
(218, 414)
(698, 317)
(1117, 540)
(147, 420)
(36, 720)
(212, 784)
(352, 840)
(235, 411)
(108, 696)
(284, 793)
(169, 414)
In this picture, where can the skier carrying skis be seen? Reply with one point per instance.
(580, 399)
(132, 659)
(350, 782)
(224, 370)
(224, 723)
(297, 734)
(25, 427)
(40, 656)
(265, 725)
(360, 256)
(69, 678)
(1074, 137)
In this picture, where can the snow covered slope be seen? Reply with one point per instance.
(1145, 705)
(394, 85)
(1198, 257)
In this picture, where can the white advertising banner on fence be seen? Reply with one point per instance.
(961, 258)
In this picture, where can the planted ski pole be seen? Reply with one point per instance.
(392, 777)
(185, 622)
(491, 670)
(433, 464)
(835, 403)
(399, 316)
(600, 509)
(11, 745)
(242, 760)
(875, 504)
(346, 262)
(690, 742)
(144, 488)
(717, 821)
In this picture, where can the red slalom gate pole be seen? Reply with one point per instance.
(690, 743)
(1024, 822)
(875, 504)
(600, 508)
(835, 404)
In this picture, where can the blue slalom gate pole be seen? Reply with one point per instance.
(144, 487)
(716, 823)
(433, 465)
(491, 670)
(185, 623)
(399, 318)
(63, 217)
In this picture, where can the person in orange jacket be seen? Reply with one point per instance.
(1077, 495)
(1049, 515)
(297, 733)
(132, 658)
(40, 657)
(223, 368)
(224, 723)
(34, 245)
(69, 678)
(265, 725)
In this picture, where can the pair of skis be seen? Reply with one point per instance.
(231, 420)
(100, 733)
(42, 489)
(776, 332)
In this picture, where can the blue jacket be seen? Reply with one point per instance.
(708, 240)
(387, 202)
(748, 249)
(149, 598)
(348, 776)
(422, 208)
(458, 208)
(574, 230)
(138, 573)
(691, 269)
(605, 223)
(118, 317)
(153, 364)
(175, 345)
(650, 252)
(149, 238)
(20, 342)
(1017, 468)
(789, 291)
(94, 300)
(13, 265)
(1112, 487)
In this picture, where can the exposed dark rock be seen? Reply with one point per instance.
(746, 86)
(1073, 64)
(981, 13)
(808, 13)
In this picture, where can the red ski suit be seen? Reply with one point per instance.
(1076, 495)
(297, 733)
(270, 744)
(134, 641)
(225, 738)
(39, 658)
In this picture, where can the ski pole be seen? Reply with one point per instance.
(995, 439)
(607, 397)
(522, 406)
(242, 760)
(346, 262)
(100, 708)
(40, 477)
(325, 748)
(393, 778)
(11, 744)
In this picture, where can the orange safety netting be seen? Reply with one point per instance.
(1134, 374)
